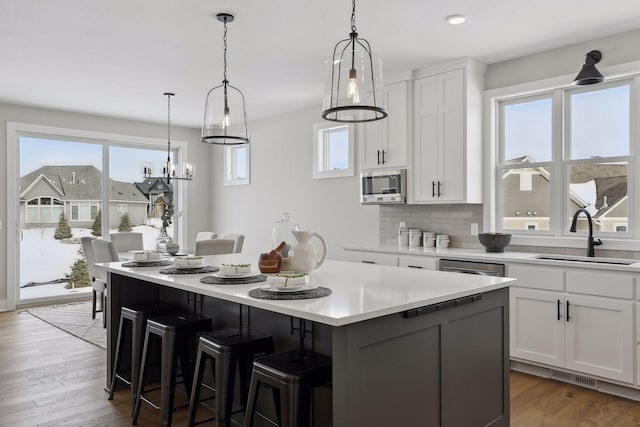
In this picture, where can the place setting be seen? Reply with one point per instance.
(147, 258)
(290, 286)
(189, 264)
(234, 274)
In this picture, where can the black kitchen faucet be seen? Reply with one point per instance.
(591, 242)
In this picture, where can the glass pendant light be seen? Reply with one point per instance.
(354, 89)
(225, 117)
(168, 168)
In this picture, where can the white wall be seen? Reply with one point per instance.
(617, 49)
(198, 218)
(281, 180)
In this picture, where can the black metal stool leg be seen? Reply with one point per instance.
(168, 378)
(141, 381)
(195, 389)
(116, 362)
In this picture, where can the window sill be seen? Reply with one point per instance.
(578, 242)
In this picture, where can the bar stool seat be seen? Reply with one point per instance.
(133, 320)
(228, 349)
(177, 331)
(294, 373)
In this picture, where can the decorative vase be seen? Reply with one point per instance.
(303, 257)
(162, 240)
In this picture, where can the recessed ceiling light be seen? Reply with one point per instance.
(456, 19)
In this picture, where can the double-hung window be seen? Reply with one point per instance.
(563, 150)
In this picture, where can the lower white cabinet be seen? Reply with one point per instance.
(417, 261)
(370, 257)
(587, 334)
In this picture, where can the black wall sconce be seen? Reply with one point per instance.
(589, 75)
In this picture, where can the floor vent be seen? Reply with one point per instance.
(575, 379)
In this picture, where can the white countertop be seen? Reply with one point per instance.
(504, 257)
(360, 292)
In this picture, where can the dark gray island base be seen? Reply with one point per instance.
(445, 364)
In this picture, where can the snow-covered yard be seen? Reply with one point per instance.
(44, 259)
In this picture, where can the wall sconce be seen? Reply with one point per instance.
(589, 75)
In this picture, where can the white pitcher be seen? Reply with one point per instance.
(303, 256)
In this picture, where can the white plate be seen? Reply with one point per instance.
(187, 267)
(147, 261)
(234, 276)
(290, 288)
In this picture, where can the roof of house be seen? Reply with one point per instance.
(81, 183)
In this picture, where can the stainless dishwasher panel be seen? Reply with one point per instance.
(471, 267)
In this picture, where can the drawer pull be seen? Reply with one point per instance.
(568, 317)
(368, 262)
(414, 266)
(441, 306)
(558, 309)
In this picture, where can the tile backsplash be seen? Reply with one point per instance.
(454, 220)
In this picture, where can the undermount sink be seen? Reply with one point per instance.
(587, 259)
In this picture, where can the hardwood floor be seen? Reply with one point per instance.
(50, 378)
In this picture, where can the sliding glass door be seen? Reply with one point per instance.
(63, 195)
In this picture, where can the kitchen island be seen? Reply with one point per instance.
(409, 347)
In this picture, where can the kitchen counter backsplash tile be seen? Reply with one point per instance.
(454, 220)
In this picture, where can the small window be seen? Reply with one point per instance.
(236, 165)
(333, 150)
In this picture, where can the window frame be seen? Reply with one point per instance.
(230, 169)
(559, 236)
(320, 130)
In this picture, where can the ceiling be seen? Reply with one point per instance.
(117, 57)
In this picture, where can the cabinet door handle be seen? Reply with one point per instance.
(368, 262)
(414, 266)
(378, 156)
(433, 189)
(568, 317)
(439, 193)
(559, 310)
(383, 161)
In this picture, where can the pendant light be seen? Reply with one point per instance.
(589, 75)
(354, 91)
(168, 168)
(225, 117)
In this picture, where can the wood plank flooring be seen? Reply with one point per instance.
(50, 378)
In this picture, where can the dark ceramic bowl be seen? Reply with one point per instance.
(494, 242)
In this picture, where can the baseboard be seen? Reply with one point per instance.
(578, 379)
(4, 305)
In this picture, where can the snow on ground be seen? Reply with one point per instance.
(44, 259)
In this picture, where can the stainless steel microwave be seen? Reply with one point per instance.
(383, 187)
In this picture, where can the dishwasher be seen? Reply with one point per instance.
(471, 267)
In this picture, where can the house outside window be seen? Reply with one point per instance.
(84, 211)
(562, 150)
(43, 210)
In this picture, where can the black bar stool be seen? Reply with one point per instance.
(294, 373)
(175, 331)
(228, 349)
(133, 320)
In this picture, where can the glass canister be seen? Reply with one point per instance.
(415, 237)
(442, 241)
(282, 232)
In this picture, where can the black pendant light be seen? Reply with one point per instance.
(354, 91)
(225, 117)
(589, 75)
(169, 169)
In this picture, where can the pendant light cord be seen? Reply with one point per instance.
(168, 137)
(353, 17)
(224, 39)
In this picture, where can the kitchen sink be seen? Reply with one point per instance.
(614, 261)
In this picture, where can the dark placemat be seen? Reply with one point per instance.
(162, 263)
(211, 280)
(174, 270)
(318, 292)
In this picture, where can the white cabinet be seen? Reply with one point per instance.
(385, 143)
(447, 160)
(370, 257)
(584, 324)
(536, 332)
(418, 261)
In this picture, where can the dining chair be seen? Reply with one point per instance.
(103, 251)
(127, 241)
(98, 286)
(214, 246)
(206, 235)
(237, 238)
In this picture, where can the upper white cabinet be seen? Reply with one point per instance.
(447, 160)
(385, 143)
